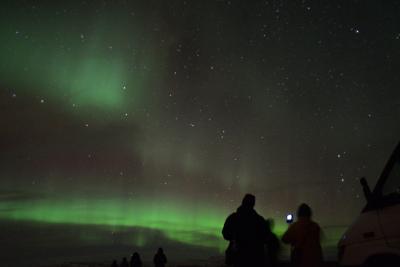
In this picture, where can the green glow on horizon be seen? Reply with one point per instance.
(171, 219)
(201, 227)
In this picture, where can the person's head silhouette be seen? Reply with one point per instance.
(136, 256)
(160, 251)
(249, 201)
(304, 211)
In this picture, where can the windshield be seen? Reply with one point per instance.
(392, 185)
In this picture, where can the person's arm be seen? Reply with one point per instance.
(267, 233)
(228, 230)
(288, 236)
(322, 236)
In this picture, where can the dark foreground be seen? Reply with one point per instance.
(284, 264)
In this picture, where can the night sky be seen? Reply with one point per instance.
(128, 125)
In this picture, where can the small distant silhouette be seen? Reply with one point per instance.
(160, 259)
(135, 260)
(304, 236)
(114, 264)
(247, 233)
(124, 263)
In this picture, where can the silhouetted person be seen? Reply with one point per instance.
(160, 259)
(304, 237)
(273, 246)
(114, 264)
(124, 263)
(247, 233)
(135, 260)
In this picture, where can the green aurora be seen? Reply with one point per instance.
(186, 108)
(102, 69)
(174, 220)
(171, 219)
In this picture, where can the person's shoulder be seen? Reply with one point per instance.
(258, 216)
(263, 221)
(295, 225)
(231, 216)
(315, 225)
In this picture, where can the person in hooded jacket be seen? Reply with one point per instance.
(247, 233)
(304, 236)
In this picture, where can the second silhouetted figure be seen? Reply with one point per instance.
(247, 233)
(160, 259)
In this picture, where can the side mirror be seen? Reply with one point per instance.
(366, 189)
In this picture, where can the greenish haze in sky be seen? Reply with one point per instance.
(94, 70)
(172, 218)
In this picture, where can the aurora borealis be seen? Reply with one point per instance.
(128, 125)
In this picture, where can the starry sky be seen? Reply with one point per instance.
(126, 124)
